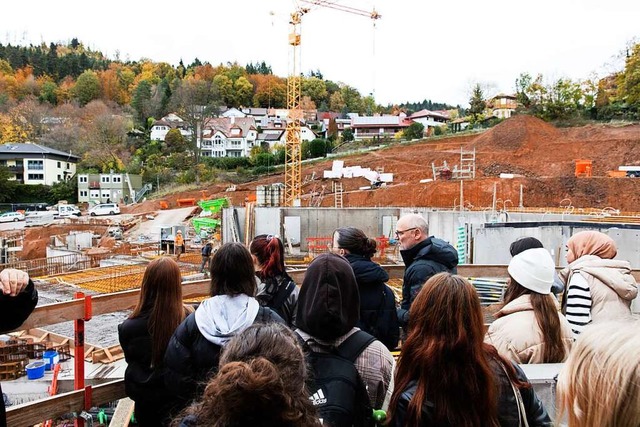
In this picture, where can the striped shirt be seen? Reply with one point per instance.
(578, 308)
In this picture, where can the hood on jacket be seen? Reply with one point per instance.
(366, 271)
(433, 249)
(329, 302)
(616, 274)
(221, 317)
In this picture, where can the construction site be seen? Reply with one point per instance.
(479, 191)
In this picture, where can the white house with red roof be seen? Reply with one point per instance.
(229, 137)
(430, 119)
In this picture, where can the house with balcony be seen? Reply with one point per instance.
(378, 127)
(31, 163)
(161, 128)
(114, 187)
(229, 137)
(430, 119)
(502, 105)
(278, 135)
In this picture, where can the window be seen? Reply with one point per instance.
(59, 166)
(106, 194)
(68, 166)
(36, 176)
(35, 164)
(83, 178)
(84, 193)
(106, 179)
(206, 143)
(235, 131)
(235, 143)
(94, 194)
(117, 178)
(206, 154)
(59, 177)
(218, 140)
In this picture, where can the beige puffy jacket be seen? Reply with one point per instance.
(611, 285)
(516, 335)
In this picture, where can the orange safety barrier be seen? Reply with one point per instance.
(319, 245)
(583, 168)
(164, 204)
(186, 202)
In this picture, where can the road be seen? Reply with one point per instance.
(149, 230)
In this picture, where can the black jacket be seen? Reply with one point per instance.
(537, 416)
(268, 291)
(143, 383)
(427, 258)
(378, 314)
(15, 311)
(191, 359)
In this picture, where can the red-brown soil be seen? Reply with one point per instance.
(543, 154)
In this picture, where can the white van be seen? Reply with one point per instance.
(104, 209)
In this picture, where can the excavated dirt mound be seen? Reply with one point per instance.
(544, 155)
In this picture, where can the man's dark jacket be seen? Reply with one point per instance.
(427, 258)
(15, 311)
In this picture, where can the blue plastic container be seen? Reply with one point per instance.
(35, 370)
(50, 357)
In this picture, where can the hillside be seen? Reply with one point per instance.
(524, 145)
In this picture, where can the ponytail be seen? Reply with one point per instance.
(269, 251)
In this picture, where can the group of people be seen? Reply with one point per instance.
(261, 350)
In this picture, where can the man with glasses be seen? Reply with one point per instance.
(423, 256)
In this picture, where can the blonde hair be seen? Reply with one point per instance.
(599, 385)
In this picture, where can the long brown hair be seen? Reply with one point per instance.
(261, 382)
(445, 353)
(548, 318)
(161, 299)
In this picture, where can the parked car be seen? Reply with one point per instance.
(11, 216)
(104, 209)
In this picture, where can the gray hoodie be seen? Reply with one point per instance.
(221, 317)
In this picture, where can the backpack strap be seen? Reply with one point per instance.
(353, 346)
(281, 296)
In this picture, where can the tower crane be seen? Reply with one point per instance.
(293, 154)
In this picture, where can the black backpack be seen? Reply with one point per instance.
(276, 300)
(335, 387)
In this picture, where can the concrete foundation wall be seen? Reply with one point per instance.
(489, 234)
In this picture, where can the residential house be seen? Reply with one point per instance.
(260, 115)
(502, 105)
(113, 187)
(375, 127)
(233, 112)
(430, 119)
(229, 137)
(31, 163)
(161, 127)
(277, 135)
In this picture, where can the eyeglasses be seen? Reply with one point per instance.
(401, 232)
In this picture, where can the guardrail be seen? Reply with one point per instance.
(83, 398)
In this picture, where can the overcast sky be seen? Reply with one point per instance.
(419, 49)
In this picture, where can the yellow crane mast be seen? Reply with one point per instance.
(293, 154)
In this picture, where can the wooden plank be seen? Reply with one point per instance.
(29, 414)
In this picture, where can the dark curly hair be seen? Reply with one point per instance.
(260, 382)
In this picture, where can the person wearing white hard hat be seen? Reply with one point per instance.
(529, 327)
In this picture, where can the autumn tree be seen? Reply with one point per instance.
(195, 101)
(314, 88)
(87, 87)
